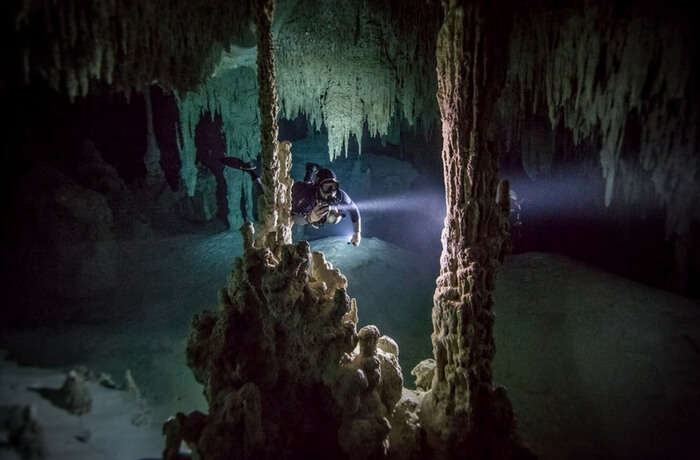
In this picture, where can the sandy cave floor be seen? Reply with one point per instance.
(596, 366)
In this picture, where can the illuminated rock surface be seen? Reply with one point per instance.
(276, 366)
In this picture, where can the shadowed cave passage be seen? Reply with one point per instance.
(122, 227)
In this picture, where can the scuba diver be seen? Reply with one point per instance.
(317, 200)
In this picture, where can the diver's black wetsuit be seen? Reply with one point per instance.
(305, 197)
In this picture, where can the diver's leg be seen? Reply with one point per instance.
(237, 163)
(249, 167)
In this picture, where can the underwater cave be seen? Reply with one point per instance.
(281, 229)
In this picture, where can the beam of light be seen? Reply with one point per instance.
(427, 203)
(412, 220)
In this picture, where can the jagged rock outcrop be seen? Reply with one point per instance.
(365, 427)
(280, 368)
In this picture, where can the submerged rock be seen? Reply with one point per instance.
(24, 434)
(73, 395)
(280, 368)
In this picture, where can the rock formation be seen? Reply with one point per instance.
(73, 395)
(23, 432)
(621, 78)
(458, 411)
(77, 43)
(347, 64)
(275, 204)
(280, 368)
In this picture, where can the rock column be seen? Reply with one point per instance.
(275, 203)
(463, 412)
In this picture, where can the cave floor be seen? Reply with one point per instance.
(596, 366)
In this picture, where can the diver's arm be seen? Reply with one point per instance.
(355, 217)
(300, 195)
(354, 211)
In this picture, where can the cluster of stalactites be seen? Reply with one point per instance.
(126, 44)
(232, 94)
(346, 64)
(593, 70)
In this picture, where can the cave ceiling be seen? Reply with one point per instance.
(620, 77)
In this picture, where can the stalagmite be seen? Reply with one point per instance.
(281, 369)
(463, 414)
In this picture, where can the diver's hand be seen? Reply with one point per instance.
(318, 212)
(355, 239)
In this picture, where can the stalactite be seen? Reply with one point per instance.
(73, 43)
(275, 203)
(154, 172)
(232, 94)
(463, 414)
(344, 64)
(594, 67)
(189, 117)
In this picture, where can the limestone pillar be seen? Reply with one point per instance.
(463, 411)
(275, 203)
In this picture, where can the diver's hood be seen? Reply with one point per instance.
(325, 175)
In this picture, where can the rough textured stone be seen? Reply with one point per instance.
(279, 365)
(388, 345)
(424, 372)
(407, 438)
(365, 427)
(275, 204)
(457, 410)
